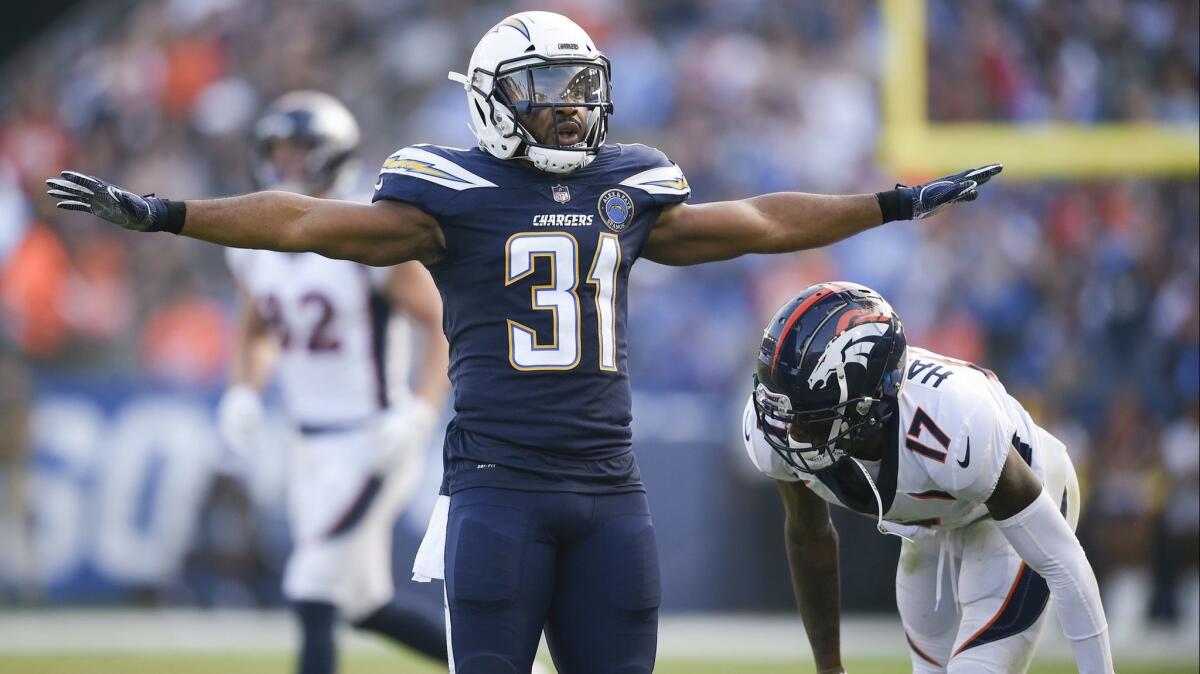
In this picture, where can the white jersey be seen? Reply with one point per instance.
(330, 326)
(955, 427)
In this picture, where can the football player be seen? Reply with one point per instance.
(530, 237)
(322, 327)
(935, 451)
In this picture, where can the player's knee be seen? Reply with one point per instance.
(971, 664)
(972, 668)
(920, 666)
(486, 664)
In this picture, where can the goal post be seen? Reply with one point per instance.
(913, 145)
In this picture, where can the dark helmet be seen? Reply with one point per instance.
(829, 369)
(318, 123)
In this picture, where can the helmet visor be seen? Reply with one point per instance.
(554, 85)
(559, 105)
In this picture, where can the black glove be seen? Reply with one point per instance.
(922, 201)
(121, 207)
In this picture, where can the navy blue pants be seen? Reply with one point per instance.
(583, 567)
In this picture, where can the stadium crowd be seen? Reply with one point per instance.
(1083, 296)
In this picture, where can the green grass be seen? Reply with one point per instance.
(273, 663)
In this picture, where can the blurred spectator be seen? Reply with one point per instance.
(1177, 534)
(183, 340)
(1068, 60)
(33, 285)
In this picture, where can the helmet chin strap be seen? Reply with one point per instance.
(878, 503)
(558, 161)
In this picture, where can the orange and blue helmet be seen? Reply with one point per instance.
(829, 369)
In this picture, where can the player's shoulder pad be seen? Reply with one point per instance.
(979, 432)
(653, 172)
(761, 455)
(438, 165)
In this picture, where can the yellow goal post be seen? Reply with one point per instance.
(913, 145)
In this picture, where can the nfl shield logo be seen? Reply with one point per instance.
(561, 194)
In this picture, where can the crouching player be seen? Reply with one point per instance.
(936, 451)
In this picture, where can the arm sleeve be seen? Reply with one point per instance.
(1040, 534)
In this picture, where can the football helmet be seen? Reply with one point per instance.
(528, 65)
(829, 369)
(323, 130)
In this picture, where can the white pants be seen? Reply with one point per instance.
(992, 605)
(341, 512)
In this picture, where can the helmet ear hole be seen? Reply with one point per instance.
(479, 111)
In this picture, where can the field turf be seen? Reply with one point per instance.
(273, 663)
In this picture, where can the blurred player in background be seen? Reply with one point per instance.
(323, 327)
(844, 412)
(531, 237)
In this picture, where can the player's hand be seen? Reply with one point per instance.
(240, 419)
(931, 197)
(79, 192)
(403, 434)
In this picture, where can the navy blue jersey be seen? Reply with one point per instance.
(534, 286)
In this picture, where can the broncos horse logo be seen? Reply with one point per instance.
(852, 346)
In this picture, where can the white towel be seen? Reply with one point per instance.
(430, 561)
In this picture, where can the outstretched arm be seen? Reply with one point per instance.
(1030, 520)
(812, 551)
(789, 221)
(380, 234)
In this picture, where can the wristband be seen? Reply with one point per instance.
(176, 214)
(894, 205)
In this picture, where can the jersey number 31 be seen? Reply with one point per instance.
(561, 298)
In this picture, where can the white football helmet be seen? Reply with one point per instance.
(529, 63)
